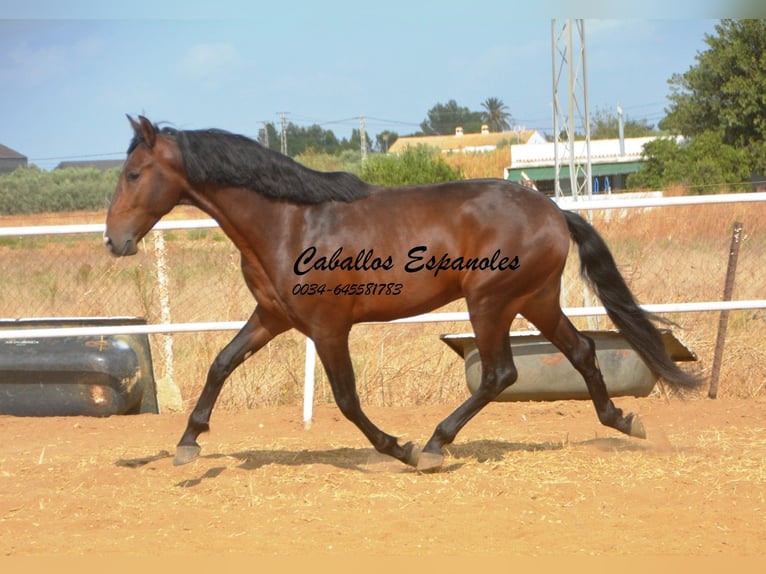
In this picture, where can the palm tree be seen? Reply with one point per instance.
(496, 115)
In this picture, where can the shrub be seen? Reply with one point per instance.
(416, 165)
(31, 190)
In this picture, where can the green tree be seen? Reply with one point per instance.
(604, 124)
(269, 136)
(313, 138)
(300, 139)
(705, 164)
(725, 90)
(355, 141)
(416, 165)
(444, 118)
(496, 115)
(385, 140)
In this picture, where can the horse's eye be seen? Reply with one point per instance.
(132, 175)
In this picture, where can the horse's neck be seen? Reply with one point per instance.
(248, 218)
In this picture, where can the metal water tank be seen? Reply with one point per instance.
(80, 375)
(545, 374)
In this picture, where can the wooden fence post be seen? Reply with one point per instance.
(723, 320)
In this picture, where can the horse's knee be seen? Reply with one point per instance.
(348, 404)
(499, 378)
(217, 369)
(510, 376)
(583, 356)
(220, 369)
(505, 377)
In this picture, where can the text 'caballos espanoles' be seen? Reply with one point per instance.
(418, 260)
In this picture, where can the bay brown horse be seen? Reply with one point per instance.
(323, 251)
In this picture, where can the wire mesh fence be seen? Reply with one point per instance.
(667, 254)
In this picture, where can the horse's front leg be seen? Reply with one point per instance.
(258, 331)
(334, 354)
(498, 372)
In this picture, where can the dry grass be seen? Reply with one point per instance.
(680, 254)
(675, 254)
(480, 164)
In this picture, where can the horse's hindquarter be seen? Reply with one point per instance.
(406, 251)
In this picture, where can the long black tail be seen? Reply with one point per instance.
(598, 268)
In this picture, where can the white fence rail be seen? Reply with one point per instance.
(597, 203)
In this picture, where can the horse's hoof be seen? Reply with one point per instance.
(412, 454)
(637, 427)
(186, 453)
(430, 461)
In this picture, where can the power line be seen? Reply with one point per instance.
(331, 122)
(395, 122)
(86, 156)
(540, 124)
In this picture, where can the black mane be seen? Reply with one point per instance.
(229, 159)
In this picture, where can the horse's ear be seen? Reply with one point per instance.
(144, 129)
(148, 131)
(134, 124)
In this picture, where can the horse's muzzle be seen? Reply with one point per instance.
(127, 247)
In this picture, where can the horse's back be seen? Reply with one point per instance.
(473, 238)
(491, 196)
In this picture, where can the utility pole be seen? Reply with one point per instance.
(621, 129)
(363, 137)
(283, 121)
(265, 138)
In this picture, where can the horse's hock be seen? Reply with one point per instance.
(546, 375)
(78, 375)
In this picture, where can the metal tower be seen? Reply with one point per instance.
(569, 55)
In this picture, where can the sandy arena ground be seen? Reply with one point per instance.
(523, 479)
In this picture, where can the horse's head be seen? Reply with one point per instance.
(152, 182)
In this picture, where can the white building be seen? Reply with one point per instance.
(611, 160)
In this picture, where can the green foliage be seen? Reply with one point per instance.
(604, 124)
(705, 164)
(416, 165)
(725, 90)
(385, 140)
(444, 118)
(347, 160)
(314, 137)
(31, 190)
(496, 115)
(719, 105)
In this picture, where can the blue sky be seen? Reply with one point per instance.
(69, 72)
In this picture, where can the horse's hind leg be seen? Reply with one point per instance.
(336, 359)
(258, 331)
(581, 352)
(498, 372)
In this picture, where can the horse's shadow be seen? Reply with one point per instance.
(367, 460)
(364, 460)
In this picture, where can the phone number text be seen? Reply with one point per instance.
(348, 289)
